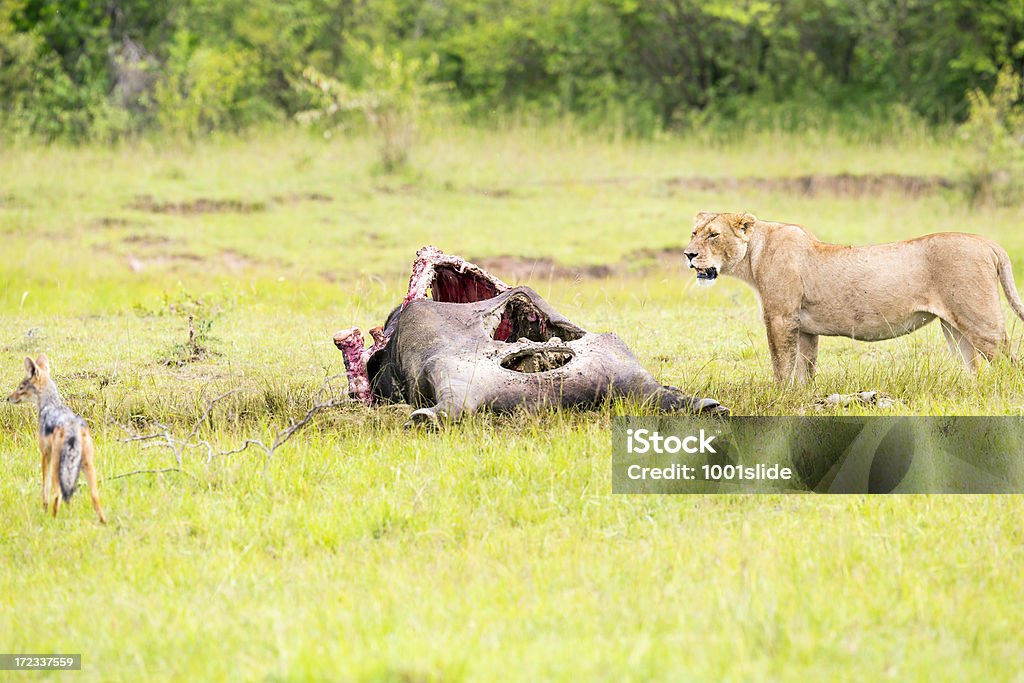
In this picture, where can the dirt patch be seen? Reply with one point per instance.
(840, 185)
(402, 189)
(229, 259)
(524, 269)
(148, 240)
(644, 261)
(138, 264)
(492, 192)
(202, 205)
(611, 180)
(302, 197)
(113, 222)
(636, 263)
(234, 261)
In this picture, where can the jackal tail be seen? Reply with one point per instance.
(70, 462)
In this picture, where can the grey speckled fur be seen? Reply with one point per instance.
(53, 415)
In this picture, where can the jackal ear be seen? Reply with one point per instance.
(43, 363)
(30, 366)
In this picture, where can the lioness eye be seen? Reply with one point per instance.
(712, 235)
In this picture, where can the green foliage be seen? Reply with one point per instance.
(667, 61)
(207, 88)
(639, 65)
(395, 95)
(994, 131)
(194, 348)
(39, 93)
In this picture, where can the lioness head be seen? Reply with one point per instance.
(718, 243)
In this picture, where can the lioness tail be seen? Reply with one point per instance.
(1005, 271)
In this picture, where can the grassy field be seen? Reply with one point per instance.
(492, 551)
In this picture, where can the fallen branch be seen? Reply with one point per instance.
(283, 435)
(164, 438)
(135, 472)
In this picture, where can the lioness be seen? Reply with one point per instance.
(808, 288)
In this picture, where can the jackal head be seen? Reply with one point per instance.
(36, 380)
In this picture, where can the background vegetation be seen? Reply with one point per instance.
(78, 69)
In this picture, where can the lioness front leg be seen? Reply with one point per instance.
(783, 343)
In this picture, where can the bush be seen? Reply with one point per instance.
(207, 88)
(40, 98)
(77, 69)
(994, 132)
(396, 94)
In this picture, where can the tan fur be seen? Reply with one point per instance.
(37, 387)
(89, 468)
(808, 288)
(44, 448)
(53, 444)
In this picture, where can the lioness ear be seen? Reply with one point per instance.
(745, 221)
(30, 367)
(702, 216)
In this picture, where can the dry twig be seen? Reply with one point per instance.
(165, 438)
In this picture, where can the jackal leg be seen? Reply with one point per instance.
(45, 472)
(55, 443)
(89, 465)
(44, 449)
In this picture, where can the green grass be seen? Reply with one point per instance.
(493, 550)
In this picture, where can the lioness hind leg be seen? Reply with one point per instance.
(969, 346)
(953, 339)
(987, 346)
(807, 356)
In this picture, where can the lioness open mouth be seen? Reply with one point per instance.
(707, 273)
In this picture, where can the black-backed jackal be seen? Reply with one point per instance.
(64, 438)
